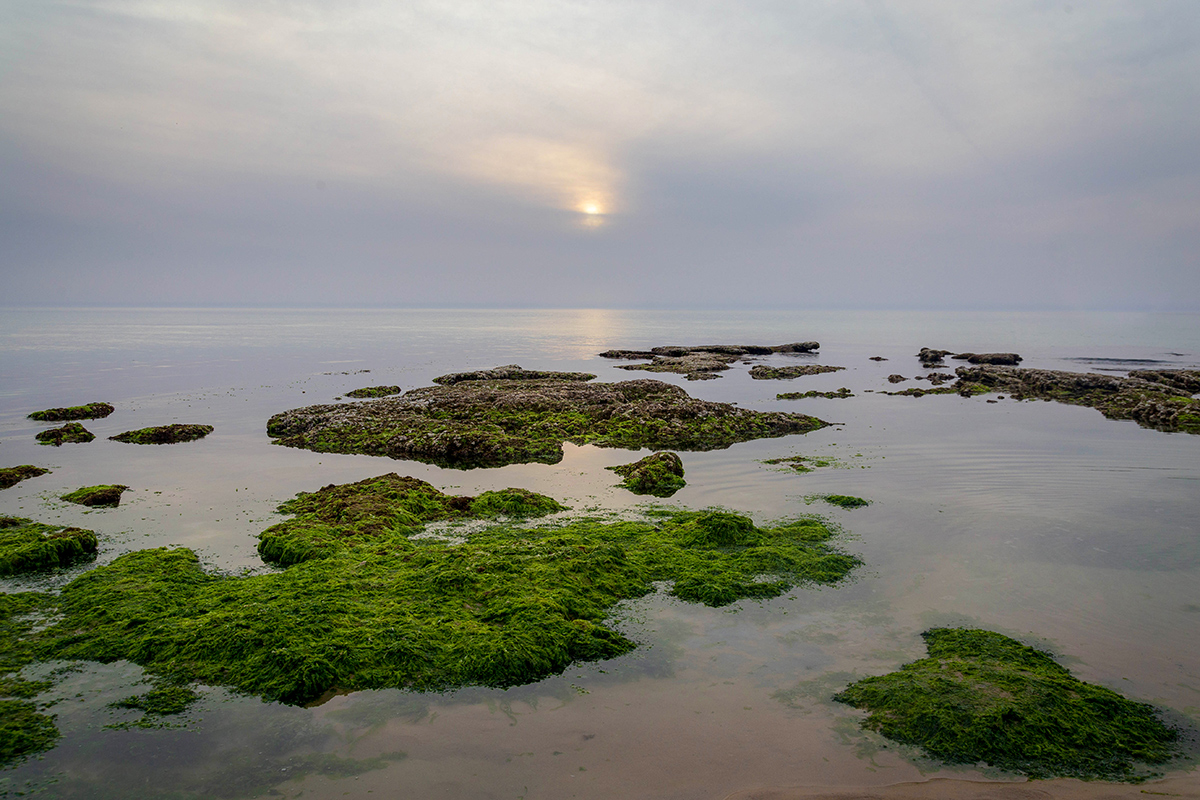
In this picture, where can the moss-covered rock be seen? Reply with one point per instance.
(164, 434)
(28, 546)
(71, 433)
(11, 476)
(981, 696)
(847, 501)
(89, 411)
(762, 372)
(841, 393)
(104, 496)
(490, 423)
(511, 604)
(374, 391)
(659, 474)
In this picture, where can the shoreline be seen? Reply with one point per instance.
(1185, 786)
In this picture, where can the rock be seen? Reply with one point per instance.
(72, 433)
(11, 476)
(1008, 359)
(164, 434)
(90, 411)
(840, 393)
(28, 546)
(877, 358)
(1186, 379)
(660, 475)
(931, 358)
(108, 496)
(374, 391)
(896, 379)
(762, 372)
(490, 423)
(512, 372)
(700, 363)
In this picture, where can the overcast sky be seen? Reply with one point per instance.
(857, 153)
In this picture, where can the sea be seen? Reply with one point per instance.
(1042, 521)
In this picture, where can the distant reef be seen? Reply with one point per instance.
(703, 362)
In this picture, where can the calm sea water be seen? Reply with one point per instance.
(1039, 520)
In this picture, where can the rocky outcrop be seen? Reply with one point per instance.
(11, 476)
(1187, 380)
(374, 391)
(762, 372)
(932, 358)
(89, 411)
(660, 475)
(164, 434)
(511, 372)
(71, 433)
(701, 363)
(105, 496)
(999, 359)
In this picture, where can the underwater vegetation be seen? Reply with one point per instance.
(485, 422)
(659, 474)
(841, 393)
(11, 476)
(164, 434)
(97, 496)
(27, 546)
(364, 604)
(981, 696)
(841, 500)
(89, 411)
(71, 433)
(762, 372)
(23, 729)
(801, 464)
(375, 391)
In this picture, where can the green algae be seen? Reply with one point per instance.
(165, 699)
(27, 546)
(103, 496)
(841, 393)
(374, 391)
(24, 730)
(762, 372)
(11, 476)
(89, 411)
(164, 434)
(980, 696)
(71, 433)
(658, 474)
(513, 603)
(801, 464)
(846, 501)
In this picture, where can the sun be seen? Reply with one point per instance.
(591, 208)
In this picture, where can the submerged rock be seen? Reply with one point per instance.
(980, 696)
(700, 363)
(71, 433)
(374, 391)
(512, 372)
(659, 474)
(490, 423)
(765, 373)
(28, 546)
(97, 496)
(1159, 405)
(11, 476)
(89, 411)
(164, 434)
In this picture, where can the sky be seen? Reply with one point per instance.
(932, 154)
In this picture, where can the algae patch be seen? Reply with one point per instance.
(369, 606)
(24, 730)
(104, 496)
(762, 372)
(11, 476)
(840, 394)
(981, 696)
(71, 433)
(846, 501)
(28, 546)
(89, 411)
(659, 474)
(164, 434)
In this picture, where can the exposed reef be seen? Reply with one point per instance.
(762, 372)
(1156, 404)
(89, 411)
(374, 391)
(490, 423)
(1005, 359)
(896, 378)
(71, 433)
(97, 496)
(981, 696)
(839, 394)
(28, 546)
(375, 607)
(932, 358)
(701, 363)
(511, 372)
(659, 474)
(164, 434)
(11, 476)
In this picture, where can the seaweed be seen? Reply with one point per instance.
(659, 474)
(11, 476)
(164, 434)
(165, 699)
(90, 411)
(24, 730)
(511, 604)
(375, 391)
(27, 546)
(103, 496)
(801, 464)
(71, 433)
(841, 500)
(981, 696)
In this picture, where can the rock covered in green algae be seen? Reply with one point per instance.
(24, 730)
(491, 423)
(511, 372)
(71, 433)
(981, 696)
(28, 546)
(1164, 404)
(762, 372)
(11, 476)
(374, 391)
(378, 608)
(847, 501)
(702, 362)
(90, 411)
(659, 474)
(107, 495)
(841, 393)
(164, 434)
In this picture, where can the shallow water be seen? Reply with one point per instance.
(1039, 520)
